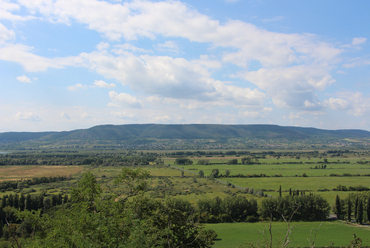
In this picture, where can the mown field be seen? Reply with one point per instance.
(28, 172)
(335, 233)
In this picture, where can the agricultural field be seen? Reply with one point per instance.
(28, 172)
(319, 174)
(304, 174)
(335, 233)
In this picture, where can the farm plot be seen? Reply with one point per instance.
(27, 172)
(336, 233)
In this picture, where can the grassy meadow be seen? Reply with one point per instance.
(336, 233)
(289, 173)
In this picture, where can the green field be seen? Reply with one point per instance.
(287, 172)
(337, 232)
(166, 181)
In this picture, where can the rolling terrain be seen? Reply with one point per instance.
(155, 136)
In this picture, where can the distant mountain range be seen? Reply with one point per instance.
(119, 133)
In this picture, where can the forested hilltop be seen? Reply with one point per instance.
(187, 136)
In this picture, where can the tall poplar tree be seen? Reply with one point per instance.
(349, 209)
(356, 206)
(360, 212)
(368, 209)
(280, 191)
(338, 209)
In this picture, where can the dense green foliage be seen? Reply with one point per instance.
(302, 207)
(230, 209)
(97, 220)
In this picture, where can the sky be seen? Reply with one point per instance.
(73, 64)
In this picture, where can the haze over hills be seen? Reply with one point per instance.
(143, 134)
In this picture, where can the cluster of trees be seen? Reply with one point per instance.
(302, 207)
(351, 188)
(356, 205)
(94, 219)
(230, 209)
(319, 167)
(19, 184)
(183, 161)
(204, 162)
(32, 202)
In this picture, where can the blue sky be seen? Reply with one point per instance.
(70, 64)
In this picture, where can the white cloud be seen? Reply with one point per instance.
(175, 19)
(85, 116)
(252, 114)
(24, 79)
(358, 41)
(113, 105)
(76, 87)
(164, 76)
(293, 67)
(205, 61)
(65, 115)
(294, 116)
(122, 114)
(162, 119)
(292, 87)
(102, 46)
(357, 62)
(354, 103)
(5, 34)
(102, 84)
(125, 99)
(169, 45)
(274, 19)
(27, 116)
(7, 7)
(31, 62)
(119, 48)
(337, 104)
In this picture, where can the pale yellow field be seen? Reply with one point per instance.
(26, 172)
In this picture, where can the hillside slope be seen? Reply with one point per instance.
(185, 132)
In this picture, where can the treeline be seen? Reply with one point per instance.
(262, 154)
(230, 209)
(348, 175)
(302, 207)
(32, 202)
(93, 159)
(354, 207)
(351, 188)
(25, 183)
(240, 209)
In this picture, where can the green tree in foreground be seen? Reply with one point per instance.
(97, 220)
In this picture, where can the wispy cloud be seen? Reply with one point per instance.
(102, 84)
(77, 87)
(24, 79)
